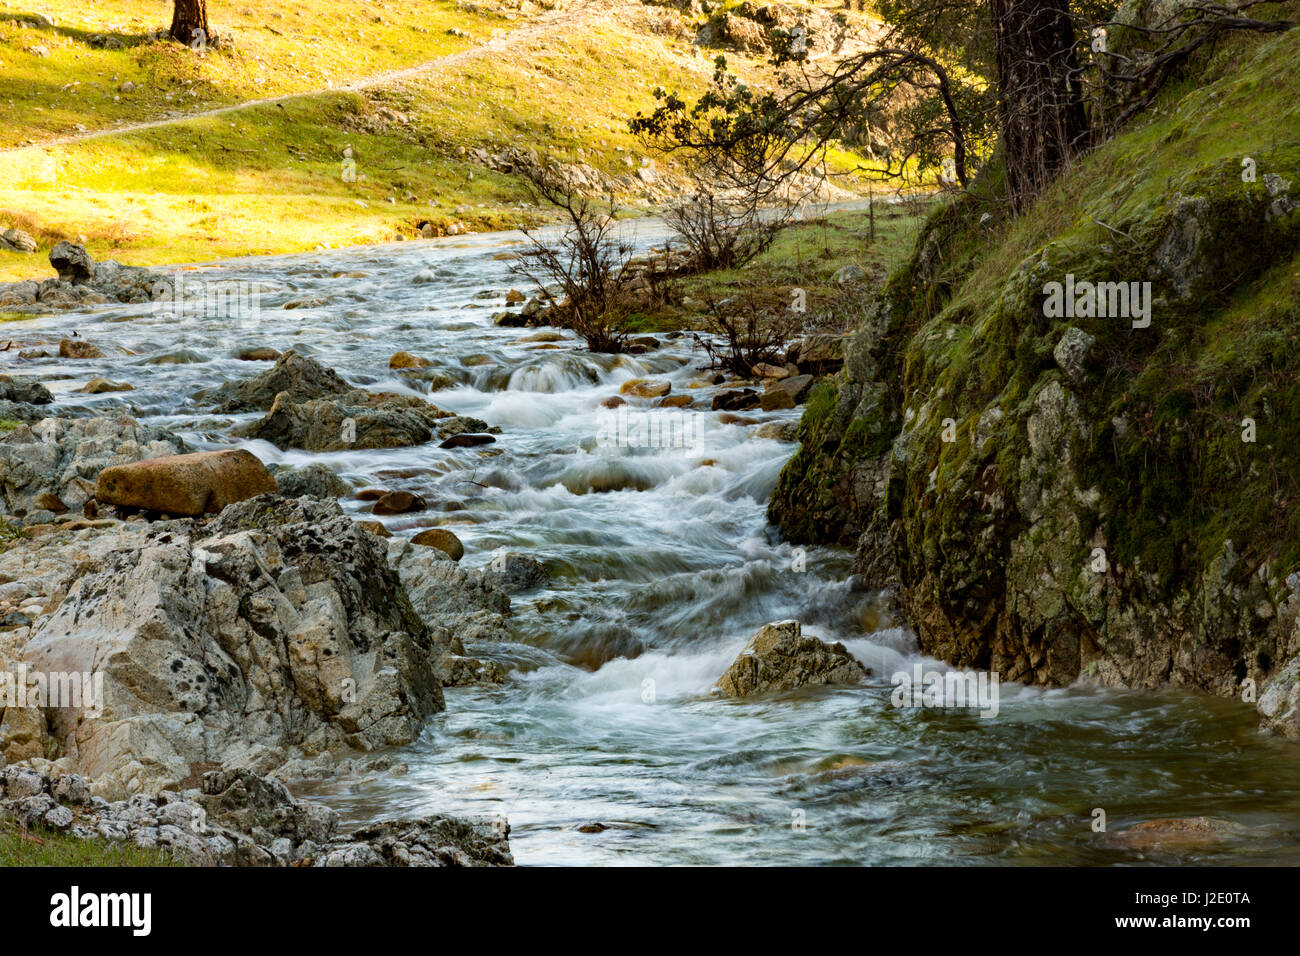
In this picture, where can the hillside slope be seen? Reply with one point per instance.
(350, 157)
(1113, 499)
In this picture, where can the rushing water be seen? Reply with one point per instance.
(656, 586)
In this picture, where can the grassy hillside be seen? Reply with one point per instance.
(269, 178)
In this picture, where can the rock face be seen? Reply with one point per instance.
(236, 818)
(200, 483)
(64, 456)
(276, 630)
(778, 657)
(302, 378)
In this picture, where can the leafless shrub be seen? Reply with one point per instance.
(579, 274)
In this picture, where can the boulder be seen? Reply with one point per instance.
(443, 540)
(356, 419)
(735, 400)
(278, 630)
(1071, 353)
(407, 360)
(644, 388)
(303, 379)
(775, 400)
(260, 353)
(98, 386)
(17, 240)
(796, 387)
(515, 572)
(778, 657)
(78, 349)
(466, 441)
(72, 262)
(24, 390)
(194, 484)
(397, 503)
(314, 481)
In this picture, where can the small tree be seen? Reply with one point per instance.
(583, 266)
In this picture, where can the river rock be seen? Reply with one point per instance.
(443, 540)
(398, 502)
(778, 431)
(64, 456)
(778, 657)
(98, 386)
(24, 390)
(513, 572)
(466, 441)
(357, 419)
(314, 481)
(407, 360)
(644, 388)
(194, 484)
(735, 400)
(277, 630)
(78, 349)
(303, 379)
(258, 354)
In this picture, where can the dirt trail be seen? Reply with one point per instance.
(572, 15)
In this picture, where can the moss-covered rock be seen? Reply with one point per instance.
(1063, 494)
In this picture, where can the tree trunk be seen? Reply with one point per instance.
(189, 16)
(1040, 102)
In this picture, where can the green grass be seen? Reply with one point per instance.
(806, 255)
(42, 847)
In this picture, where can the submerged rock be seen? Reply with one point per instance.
(778, 657)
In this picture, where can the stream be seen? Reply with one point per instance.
(605, 747)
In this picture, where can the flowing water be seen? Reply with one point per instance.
(606, 746)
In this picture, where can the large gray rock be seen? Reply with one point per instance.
(64, 456)
(72, 262)
(778, 657)
(302, 378)
(278, 630)
(24, 390)
(17, 240)
(357, 419)
(314, 481)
